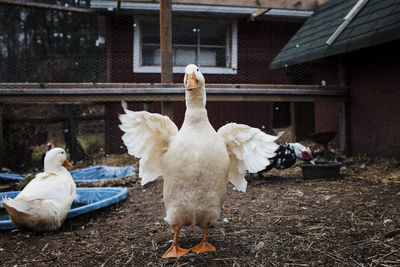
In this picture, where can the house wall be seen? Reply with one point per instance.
(327, 119)
(375, 98)
(258, 43)
(374, 108)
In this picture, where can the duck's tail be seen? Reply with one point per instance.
(32, 214)
(11, 206)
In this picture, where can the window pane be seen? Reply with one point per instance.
(212, 57)
(207, 45)
(184, 56)
(213, 35)
(208, 58)
(150, 34)
(184, 34)
(151, 55)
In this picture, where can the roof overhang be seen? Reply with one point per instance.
(198, 9)
(376, 23)
(277, 4)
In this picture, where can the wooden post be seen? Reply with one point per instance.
(293, 122)
(1, 137)
(72, 136)
(147, 106)
(344, 109)
(166, 52)
(257, 13)
(166, 41)
(343, 139)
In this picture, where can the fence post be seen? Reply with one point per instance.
(166, 52)
(344, 108)
(1, 136)
(72, 133)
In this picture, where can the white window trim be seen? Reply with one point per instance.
(137, 68)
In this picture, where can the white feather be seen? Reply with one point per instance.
(147, 136)
(249, 149)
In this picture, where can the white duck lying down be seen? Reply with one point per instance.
(196, 162)
(44, 203)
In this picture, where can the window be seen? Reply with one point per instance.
(210, 45)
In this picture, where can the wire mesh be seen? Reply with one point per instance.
(107, 44)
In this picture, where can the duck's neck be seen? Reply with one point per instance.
(196, 106)
(48, 167)
(196, 98)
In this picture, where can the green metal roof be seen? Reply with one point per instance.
(377, 22)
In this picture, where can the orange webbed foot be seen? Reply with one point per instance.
(203, 247)
(175, 251)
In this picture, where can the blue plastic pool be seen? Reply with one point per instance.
(93, 198)
(91, 174)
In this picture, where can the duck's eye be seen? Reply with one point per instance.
(197, 69)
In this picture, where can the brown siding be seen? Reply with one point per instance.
(327, 119)
(375, 108)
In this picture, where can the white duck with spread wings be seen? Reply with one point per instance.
(196, 162)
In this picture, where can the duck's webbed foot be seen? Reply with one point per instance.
(203, 246)
(175, 251)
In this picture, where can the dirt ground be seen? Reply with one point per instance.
(282, 220)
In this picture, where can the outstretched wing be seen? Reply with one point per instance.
(147, 136)
(249, 149)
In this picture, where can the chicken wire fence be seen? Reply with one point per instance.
(106, 42)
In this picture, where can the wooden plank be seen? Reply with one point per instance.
(104, 95)
(48, 6)
(42, 120)
(279, 4)
(77, 99)
(258, 13)
(102, 86)
(321, 2)
(168, 91)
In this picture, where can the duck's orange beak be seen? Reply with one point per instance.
(191, 81)
(68, 164)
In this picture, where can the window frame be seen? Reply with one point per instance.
(137, 51)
